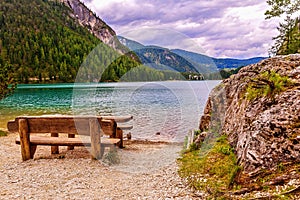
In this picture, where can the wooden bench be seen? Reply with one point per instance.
(30, 129)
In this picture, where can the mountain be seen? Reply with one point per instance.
(191, 62)
(203, 63)
(131, 44)
(94, 24)
(223, 63)
(48, 41)
(161, 58)
(220, 63)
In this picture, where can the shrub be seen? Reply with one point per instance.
(268, 84)
(3, 133)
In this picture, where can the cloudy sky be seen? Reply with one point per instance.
(219, 28)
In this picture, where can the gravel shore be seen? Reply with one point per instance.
(143, 171)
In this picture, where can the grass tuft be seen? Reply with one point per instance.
(3, 133)
(112, 157)
(213, 172)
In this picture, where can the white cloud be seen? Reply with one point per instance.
(227, 28)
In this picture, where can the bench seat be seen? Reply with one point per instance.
(59, 141)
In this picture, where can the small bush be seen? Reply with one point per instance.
(193, 147)
(3, 133)
(268, 84)
(214, 171)
(112, 157)
(197, 132)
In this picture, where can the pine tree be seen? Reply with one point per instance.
(280, 7)
(6, 80)
(284, 39)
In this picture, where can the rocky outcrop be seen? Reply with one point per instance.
(94, 24)
(264, 132)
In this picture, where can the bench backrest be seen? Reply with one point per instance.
(63, 124)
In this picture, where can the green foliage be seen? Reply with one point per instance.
(6, 81)
(3, 133)
(41, 41)
(280, 167)
(193, 147)
(227, 73)
(112, 157)
(44, 44)
(280, 7)
(288, 40)
(144, 73)
(197, 132)
(268, 84)
(214, 171)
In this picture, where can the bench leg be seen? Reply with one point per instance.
(71, 136)
(54, 149)
(24, 139)
(95, 139)
(119, 135)
(32, 151)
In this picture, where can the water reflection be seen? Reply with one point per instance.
(161, 110)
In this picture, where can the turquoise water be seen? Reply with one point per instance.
(170, 108)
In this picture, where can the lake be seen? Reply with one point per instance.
(171, 109)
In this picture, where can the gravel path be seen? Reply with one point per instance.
(144, 171)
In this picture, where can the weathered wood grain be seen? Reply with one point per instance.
(29, 128)
(24, 139)
(52, 141)
(119, 119)
(95, 139)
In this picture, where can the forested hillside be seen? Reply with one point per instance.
(42, 43)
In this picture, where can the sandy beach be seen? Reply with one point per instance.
(143, 170)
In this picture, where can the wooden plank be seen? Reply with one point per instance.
(55, 124)
(24, 139)
(51, 141)
(65, 124)
(120, 119)
(12, 126)
(95, 139)
(125, 127)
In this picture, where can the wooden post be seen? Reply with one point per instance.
(95, 139)
(71, 136)
(119, 134)
(54, 149)
(24, 139)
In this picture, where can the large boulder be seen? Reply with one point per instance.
(264, 131)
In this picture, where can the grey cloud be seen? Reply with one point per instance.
(223, 36)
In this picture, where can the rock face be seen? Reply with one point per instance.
(94, 24)
(264, 132)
